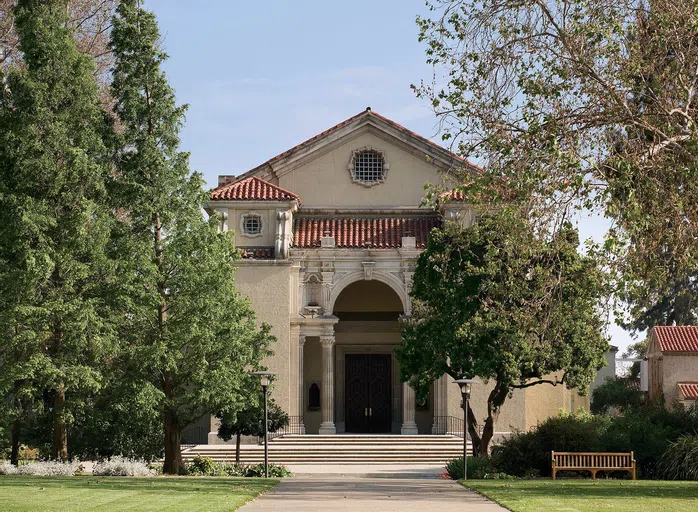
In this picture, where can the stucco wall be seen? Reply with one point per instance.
(512, 416)
(675, 369)
(268, 287)
(326, 180)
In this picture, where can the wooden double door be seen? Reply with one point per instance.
(367, 385)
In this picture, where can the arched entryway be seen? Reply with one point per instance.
(368, 388)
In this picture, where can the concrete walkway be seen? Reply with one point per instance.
(349, 494)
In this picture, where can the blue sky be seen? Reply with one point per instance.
(261, 77)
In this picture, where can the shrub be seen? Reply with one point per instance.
(205, 466)
(7, 469)
(41, 468)
(528, 454)
(478, 467)
(257, 470)
(680, 461)
(648, 432)
(122, 466)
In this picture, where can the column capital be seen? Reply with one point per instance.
(327, 339)
(301, 339)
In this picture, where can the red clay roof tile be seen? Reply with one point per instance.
(375, 232)
(674, 338)
(689, 390)
(252, 189)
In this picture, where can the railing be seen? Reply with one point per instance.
(448, 425)
(293, 427)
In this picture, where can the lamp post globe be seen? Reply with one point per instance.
(265, 379)
(465, 386)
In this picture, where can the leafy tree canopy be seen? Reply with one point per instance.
(582, 104)
(500, 302)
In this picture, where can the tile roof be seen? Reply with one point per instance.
(364, 113)
(378, 232)
(673, 338)
(689, 390)
(258, 253)
(252, 189)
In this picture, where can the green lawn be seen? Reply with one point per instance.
(117, 493)
(590, 496)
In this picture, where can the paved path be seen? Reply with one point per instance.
(348, 494)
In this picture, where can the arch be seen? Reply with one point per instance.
(384, 277)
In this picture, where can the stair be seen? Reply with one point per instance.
(340, 449)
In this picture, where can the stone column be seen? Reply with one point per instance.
(301, 383)
(409, 426)
(439, 406)
(327, 391)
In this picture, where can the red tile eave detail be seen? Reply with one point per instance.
(689, 390)
(252, 189)
(346, 122)
(362, 232)
(682, 338)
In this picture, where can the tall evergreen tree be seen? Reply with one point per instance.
(190, 335)
(54, 225)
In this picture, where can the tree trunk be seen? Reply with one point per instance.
(14, 457)
(237, 450)
(473, 431)
(59, 448)
(173, 464)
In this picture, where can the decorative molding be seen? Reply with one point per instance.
(368, 269)
(327, 339)
(224, 218)
(352, 161)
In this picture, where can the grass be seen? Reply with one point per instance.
(590, 496)
(29, 493)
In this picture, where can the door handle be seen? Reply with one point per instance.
(366, 411)
(370, 411)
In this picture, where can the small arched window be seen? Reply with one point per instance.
(314, 397)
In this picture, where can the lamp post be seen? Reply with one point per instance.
(264, 380)
(465, 386)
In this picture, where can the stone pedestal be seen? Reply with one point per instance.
(409, 426)
(327, 426)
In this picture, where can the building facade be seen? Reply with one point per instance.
(672, 357)
(330, 232)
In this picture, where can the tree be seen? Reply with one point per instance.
(621, 393)
(54, 226)
(189, 334)
(501, 302)
(583, 104)
(89, 21)
(250, 422)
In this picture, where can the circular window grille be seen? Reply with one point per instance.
(368, 166)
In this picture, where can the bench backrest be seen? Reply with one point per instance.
(592, 460)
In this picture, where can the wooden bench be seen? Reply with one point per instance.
(594, 462)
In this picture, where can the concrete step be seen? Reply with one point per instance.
(339, 449)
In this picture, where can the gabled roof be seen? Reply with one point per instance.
(367, 116)
(688, 390)
(676, 338)
(384, 232)
(251, 189)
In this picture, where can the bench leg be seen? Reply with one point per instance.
(633, 471)
(554, 472)
(593, 474)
